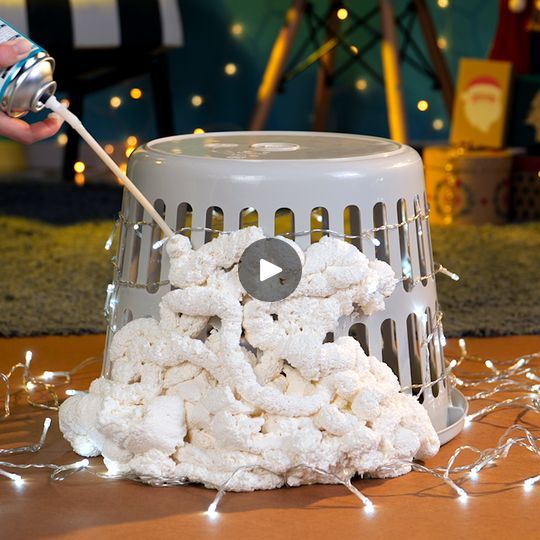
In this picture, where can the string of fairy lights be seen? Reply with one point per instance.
(123, 149)
(519, 375)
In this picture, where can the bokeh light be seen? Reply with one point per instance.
(230, 69)
(115, 102)
(360, 85)
(197, 100)
(79, 167)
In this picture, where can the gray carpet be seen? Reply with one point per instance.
(53, 278)
(499, 292)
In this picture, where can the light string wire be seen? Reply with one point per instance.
(59, 472)
(112, 288)
(503, 376)
(326, 475)
(504, 380)
(515, 435)
(367, 233)
(48, 382)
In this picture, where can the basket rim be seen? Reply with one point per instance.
(149, 147)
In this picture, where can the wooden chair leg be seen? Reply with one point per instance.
(161, 89)
(276, 65)
(437, 58)
(323, 90)
(392, 78)
(71, 151)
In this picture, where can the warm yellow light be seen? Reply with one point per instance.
(438, 124)
(65, 102)
(354, 49)
(360, 85)
(129, 150)
(135, 93)
(109, 148)
(197, 100)
(80, 179)
(131, 140)
(123, 168)
(62, 139)
(441, 42)
(237, 29)
(443, 3)
(538, 174)
(342, 14)
(115, 102)
(79, 166)
(198, 131)
(422, 105)
(230, 69)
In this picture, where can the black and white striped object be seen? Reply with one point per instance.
(96, 24)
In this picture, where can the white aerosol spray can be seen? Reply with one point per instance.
(26, 85)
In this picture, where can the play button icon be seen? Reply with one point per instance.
(270, 269)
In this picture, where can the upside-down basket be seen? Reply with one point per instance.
(301, 184)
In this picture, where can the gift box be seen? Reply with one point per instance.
(524, 129)
(525, 192)
(467, 186)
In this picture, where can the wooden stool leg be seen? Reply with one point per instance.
(437, 59)
(71, 151)
(323, 90)
(392, 78)
(276, 65)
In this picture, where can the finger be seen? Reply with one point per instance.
(21, 131)
(13, 51)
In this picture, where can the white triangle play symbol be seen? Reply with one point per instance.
(268, 270)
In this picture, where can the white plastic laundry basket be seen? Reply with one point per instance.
(297, 182)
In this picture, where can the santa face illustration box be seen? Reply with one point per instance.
(481, 104)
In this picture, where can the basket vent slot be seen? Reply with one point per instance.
(440, 347)
(127, 316)
(359, 332)
(154, 259)
(319, 221)
(405, 245)
(433, 367)
(136, 233)
(382, 248)
(329, 338)
(249, 217)
(415, 361)
(389, 345)
(428, 234)
(284, 223)
(420, 239)
(184, 217)
(352, 225)
(214, 220)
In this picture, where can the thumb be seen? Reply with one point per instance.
(13, 51)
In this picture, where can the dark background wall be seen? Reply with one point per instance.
(198, 69)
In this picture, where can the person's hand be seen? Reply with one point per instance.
(12, 52)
